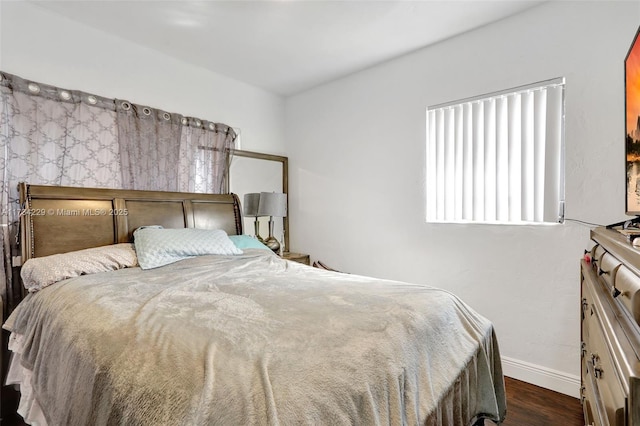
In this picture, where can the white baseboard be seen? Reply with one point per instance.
(548, 378)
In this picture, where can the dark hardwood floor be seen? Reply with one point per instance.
(530, 405)
(527, 405)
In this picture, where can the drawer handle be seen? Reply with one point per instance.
(597, 371)
(596, 399)
(602, 271)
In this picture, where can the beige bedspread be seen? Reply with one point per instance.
(253, 339)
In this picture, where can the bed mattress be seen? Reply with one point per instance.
(254, 339)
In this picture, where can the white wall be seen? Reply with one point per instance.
(356, 150)
(42, 46)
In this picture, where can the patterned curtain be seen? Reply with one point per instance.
(49, 136)
(153, 142)
(54, 136)
(204, 155)
(149, 147)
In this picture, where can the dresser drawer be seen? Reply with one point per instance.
(628, 284)
(605, 390)
(592, 405)
(601, 377)
(607, 269)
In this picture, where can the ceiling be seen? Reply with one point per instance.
(286, 46)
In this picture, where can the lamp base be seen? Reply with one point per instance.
(256, 226)
(273, 244)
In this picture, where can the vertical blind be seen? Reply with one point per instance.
(498, 158)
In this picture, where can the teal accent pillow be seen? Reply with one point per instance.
(158, 247)
(247, 242)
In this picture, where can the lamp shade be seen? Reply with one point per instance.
(272, 204)
(251, 203)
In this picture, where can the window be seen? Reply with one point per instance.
(498, 158)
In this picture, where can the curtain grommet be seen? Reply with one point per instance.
(65, 95)
(146, 111)
(92, 99)
(166, 116)
(33, 88)
(212, 126)
(198, 123)
(184, 121)
(125, 106)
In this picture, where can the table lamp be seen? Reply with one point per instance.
(272, 204)
(251, 203)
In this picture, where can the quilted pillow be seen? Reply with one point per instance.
(40, 272)
(158, 247)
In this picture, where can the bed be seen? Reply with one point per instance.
(242, 338)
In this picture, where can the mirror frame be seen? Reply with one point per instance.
(285, 182)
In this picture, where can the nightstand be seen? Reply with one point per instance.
(297, 257)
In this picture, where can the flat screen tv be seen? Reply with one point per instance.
(632, 124)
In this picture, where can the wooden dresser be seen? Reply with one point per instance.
(610, 331)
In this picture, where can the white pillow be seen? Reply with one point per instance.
(158, 247)
(40, 272)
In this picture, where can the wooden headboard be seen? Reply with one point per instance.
(58, 219)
